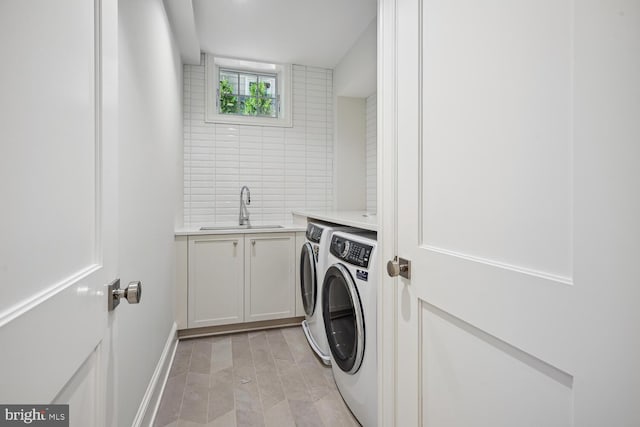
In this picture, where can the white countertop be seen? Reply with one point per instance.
(360, 219)
(235, 229)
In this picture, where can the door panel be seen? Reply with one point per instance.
(58, 168)
(496, 132)
(516, 203)
(494, 138)
(83, 392)
(491, 240)
(49, 143)
(472, 378)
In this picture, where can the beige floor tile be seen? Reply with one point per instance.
(203, 345)
(258, 378)
(181, 362)
(270, 388)
(279, 415)
(263, 361)
(220, 365)
(226, 420)
(292, 380)
(171, 401)
(185, 345)
(195, 378)
(200, 362)
(221, 394)
(334, 412)
(221, 355)
(258, 341)
(240, 346)
(221, 401)
(305, 413)
(314, 377)
(195, 403)
(279, 346)
(247, 398)
(255, 333)
(246, 418)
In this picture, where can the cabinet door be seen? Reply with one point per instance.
(300, 241)
(270, 276)
(216, 280)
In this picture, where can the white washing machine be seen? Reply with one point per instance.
(349, 311)
(312, 267)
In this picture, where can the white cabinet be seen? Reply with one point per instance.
(269, 276)
(216, 280)
(238, 278)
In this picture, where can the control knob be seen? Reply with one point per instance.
(345, 250)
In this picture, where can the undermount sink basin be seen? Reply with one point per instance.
(241, 227)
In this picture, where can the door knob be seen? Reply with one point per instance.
(132, 293)
(399, 267)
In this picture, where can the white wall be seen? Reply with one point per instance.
(350, 175)
(354, 83)
(355, 74)
(372, 153)
(150, 151)
(285, 168)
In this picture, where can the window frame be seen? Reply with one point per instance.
(212, 84)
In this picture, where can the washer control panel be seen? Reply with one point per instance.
(314, 233)
(355, 253)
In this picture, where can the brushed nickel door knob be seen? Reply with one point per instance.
(132, 293)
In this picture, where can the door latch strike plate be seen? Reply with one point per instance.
(112, 299)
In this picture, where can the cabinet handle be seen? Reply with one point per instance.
(253, 242)
(235, 243)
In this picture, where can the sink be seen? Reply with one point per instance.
(241, 227)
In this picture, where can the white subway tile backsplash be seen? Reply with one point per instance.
(285, 168)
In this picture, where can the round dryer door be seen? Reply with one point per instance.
(308, 278)
(343, 319)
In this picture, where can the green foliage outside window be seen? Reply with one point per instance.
(258, 103)
(228, 101)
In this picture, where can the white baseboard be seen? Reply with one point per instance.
(151, 400)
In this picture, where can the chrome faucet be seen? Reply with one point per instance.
(243, 219)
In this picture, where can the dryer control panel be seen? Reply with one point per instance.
(355, 253)
(314, 233)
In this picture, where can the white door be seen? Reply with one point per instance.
(58, 153)
(517, 135)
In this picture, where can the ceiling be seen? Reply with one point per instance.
(305, 32)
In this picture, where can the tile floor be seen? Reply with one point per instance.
(264, 378)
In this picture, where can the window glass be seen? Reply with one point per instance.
(247, 94)
(244, 92)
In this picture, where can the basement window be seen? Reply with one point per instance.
(247, 92)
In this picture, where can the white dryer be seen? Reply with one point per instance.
(312, 267)
(349, 311)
